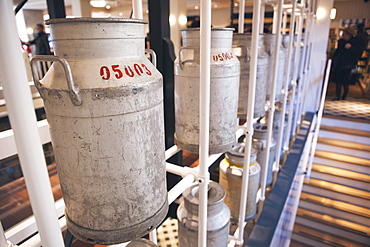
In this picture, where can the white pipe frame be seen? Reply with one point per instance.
(319, 117)
(137, 9)
(285, 92)
(270, 117)
(294, 85)
(204, 106)
(20, 109)
(249, 125)
(241, 16)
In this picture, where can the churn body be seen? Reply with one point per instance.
(223, 91)
(259, 142)
(241, 41)
(231, 172)
(107, 129)
(269, 41)
(218, 217)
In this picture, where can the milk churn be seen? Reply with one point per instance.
(241, 41)
(103, 99)
(269, 41)
(259, 142)
(224, 91)
(276, 124)
(218, 217)
(231, 171)
(141, 242)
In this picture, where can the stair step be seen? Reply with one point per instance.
(335, 226)
(329, 134)
(349, 124)
(344, 144)
(326, 238)
(343, 158)
(340, 180)
(337, 192)
(342, 210)
(342, 165)
(341, 173)
(344, 150)
(354, 131)
(297, 238)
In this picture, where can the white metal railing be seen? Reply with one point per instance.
(189, 175)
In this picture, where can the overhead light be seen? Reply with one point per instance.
(29, 30)
(333, 13)
(172, 20)
(183, 20)
(120, 14)
(215, 6)
(98, 3)
(236, 4)
(147, 11)
(46, 17)
(320, 13)
(196, 7)
(107, 6)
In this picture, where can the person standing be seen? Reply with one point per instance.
(344, 60)
(40, 41)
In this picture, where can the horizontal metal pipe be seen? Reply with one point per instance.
(180, 187)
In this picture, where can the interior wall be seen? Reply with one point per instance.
(220, 17)
(355, 9)
(318, 59)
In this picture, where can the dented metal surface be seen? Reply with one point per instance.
(245, 40)
(109, 149)
(223, 97)
(231, 171)
(218, 217)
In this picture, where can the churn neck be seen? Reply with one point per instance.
(216, 195)
(220, 37)
(95, 38)
(235, 155)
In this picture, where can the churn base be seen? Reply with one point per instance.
(119, 235)
(194, 148)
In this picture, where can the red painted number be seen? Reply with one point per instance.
(222, 57)
(119, 73)
(148, 72)
(138, 70)
(104, 73)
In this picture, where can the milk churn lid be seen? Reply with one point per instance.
(141, 242)
(216, 194)
(100, 20)
(278, 106)
(236, 154)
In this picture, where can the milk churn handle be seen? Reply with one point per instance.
(153, 55)
(245, 51)
(73, 90)
(180, 56)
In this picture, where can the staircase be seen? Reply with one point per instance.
(334, 208)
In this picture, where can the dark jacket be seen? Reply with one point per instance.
(42, 44)
(347, 58)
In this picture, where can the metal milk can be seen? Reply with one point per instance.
(245, 41)
(218, 217)
(259, 142)
(269, 42)
(141, 242)
(104, 104)
(224, 91)
(231, 172)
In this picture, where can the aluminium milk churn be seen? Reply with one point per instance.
(244, 43)
(141, 242)
(103, 100)
(218, 217)
(259, 142)
(269, 41)
(231, 172)
(223, 96)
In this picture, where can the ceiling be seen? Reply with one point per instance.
(41, 4)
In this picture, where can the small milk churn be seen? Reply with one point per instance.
(259, 142)
(104, 104)
(224, 91)
(244, 43)
(231, 171)
(269, 41)
(141, 242)
(218, 217)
